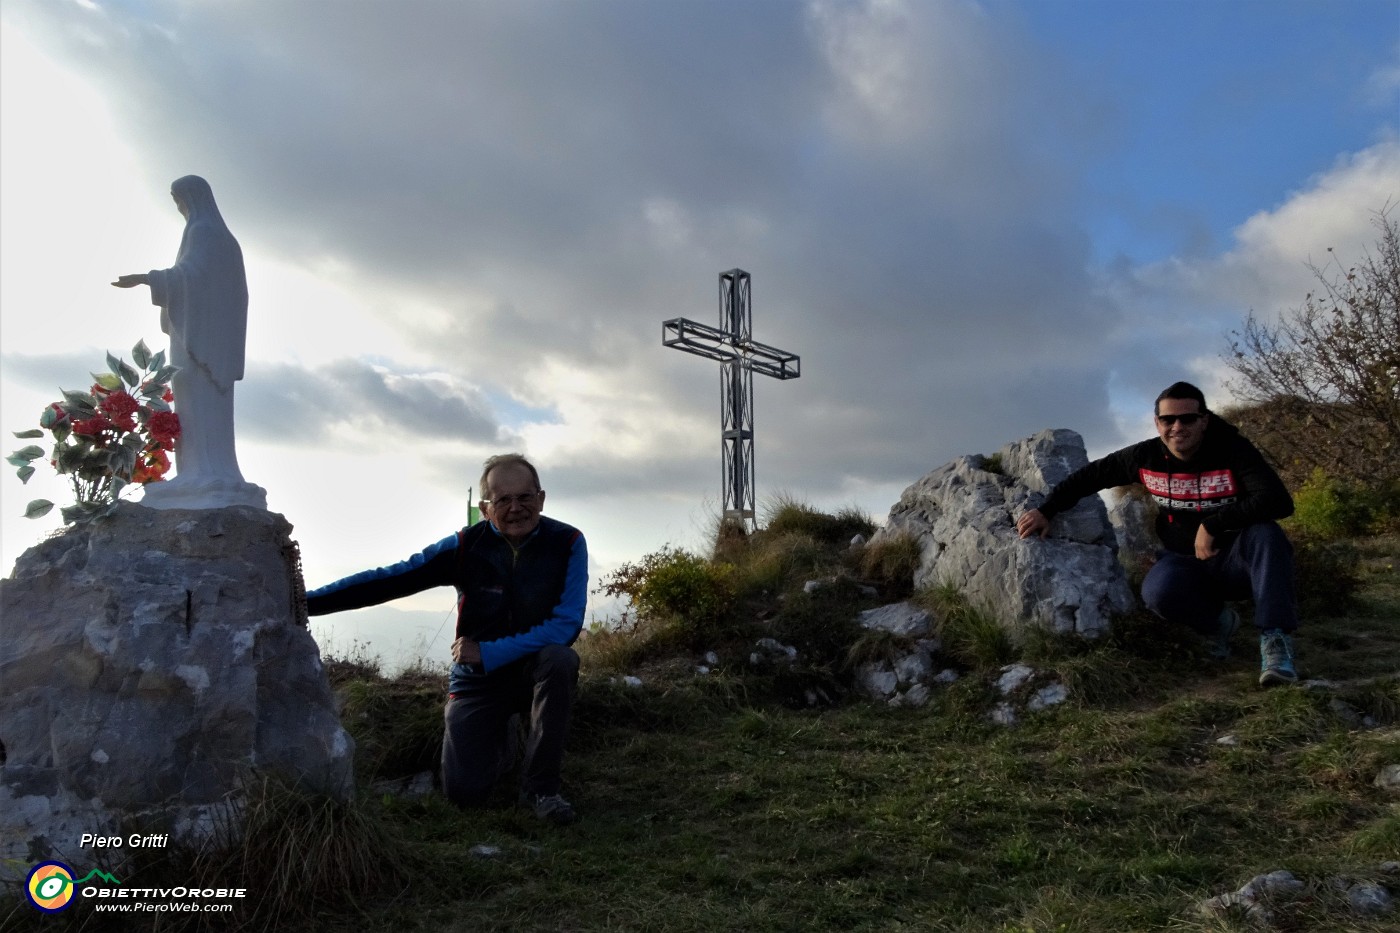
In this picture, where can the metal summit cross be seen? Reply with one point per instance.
(740, 356)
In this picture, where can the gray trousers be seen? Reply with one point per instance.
(478, 743)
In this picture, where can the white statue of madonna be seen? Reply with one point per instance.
(203, 302)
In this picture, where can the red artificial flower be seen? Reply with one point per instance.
(121, 408)
(164, 427)
(98, 391)
(92, 426)
(168, 396)
(152, 467)
(60, 413)
(119, 403)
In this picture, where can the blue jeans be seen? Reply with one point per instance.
(1257, 564)
(477, 745)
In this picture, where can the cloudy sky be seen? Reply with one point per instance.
(464, 223)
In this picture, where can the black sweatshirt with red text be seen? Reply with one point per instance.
(1226, 486)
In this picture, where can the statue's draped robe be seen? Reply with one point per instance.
(204, 309)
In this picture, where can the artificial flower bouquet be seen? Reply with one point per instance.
(120, 432)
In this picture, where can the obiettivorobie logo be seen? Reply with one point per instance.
(51, 885)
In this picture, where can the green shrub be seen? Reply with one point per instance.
(1327, 509)
(680, 602)
(673, 582)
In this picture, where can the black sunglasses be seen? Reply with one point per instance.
(1186, 420)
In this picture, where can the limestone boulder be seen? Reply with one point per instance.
(153, 663)
(964, 513)
(1133, 516)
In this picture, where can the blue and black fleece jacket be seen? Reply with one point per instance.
(512, 600)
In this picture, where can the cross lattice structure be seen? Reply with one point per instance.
(739, 356)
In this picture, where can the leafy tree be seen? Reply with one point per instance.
(1323, 383)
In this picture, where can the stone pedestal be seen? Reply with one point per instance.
(152, 663)
(181, 492)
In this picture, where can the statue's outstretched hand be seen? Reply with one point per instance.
(131, 281)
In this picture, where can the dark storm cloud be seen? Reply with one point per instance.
(290, 404)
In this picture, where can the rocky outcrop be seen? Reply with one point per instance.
(153, 662)
(905, 678)
(1133, 516)
(964, 513)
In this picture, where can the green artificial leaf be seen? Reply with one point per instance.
(155, 391)
(24, 455)
(129, 374)
(133, 443)
(31, 433)
(164, 374)
(121, 461)
(38, 508)
(109, 381)
(67, 458)
(157, 362)
(141, 354)
(156, 403)
(49, 418)
(24, 473)
(61, 431)
(80, 404)
(113, 363)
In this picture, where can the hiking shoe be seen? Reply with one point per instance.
(1276, 659)
(1225, 626)
(552, 808)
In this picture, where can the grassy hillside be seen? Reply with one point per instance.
(727, 800)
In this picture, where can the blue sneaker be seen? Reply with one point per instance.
(552, 808)
(1225, 626)
(1276, 659)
